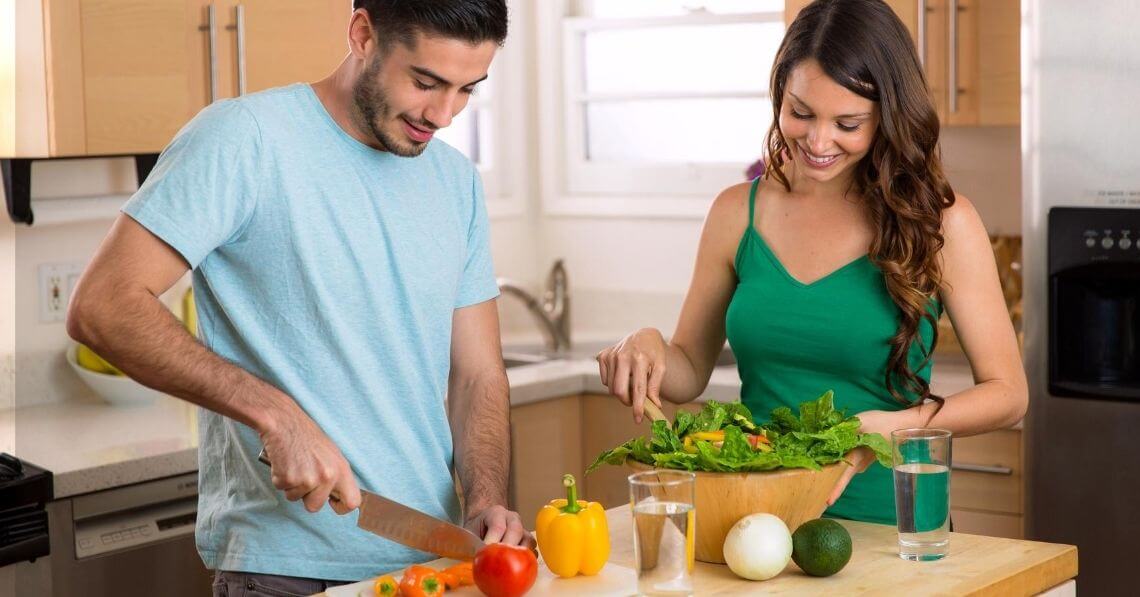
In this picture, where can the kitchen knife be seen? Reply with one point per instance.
(410, 527)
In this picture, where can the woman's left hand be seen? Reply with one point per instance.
(871, 421)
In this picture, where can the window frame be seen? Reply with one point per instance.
(613, 187)
(504, 186)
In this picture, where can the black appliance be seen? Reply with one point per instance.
(1094, 303)
(25, 490)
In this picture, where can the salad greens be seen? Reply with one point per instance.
(723, 438)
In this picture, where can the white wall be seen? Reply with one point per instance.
(984, 164)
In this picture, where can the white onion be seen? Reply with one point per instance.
(758, 547)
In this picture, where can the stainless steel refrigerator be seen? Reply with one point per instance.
(1081, 227)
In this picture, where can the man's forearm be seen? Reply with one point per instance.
(480, 426)
(140, 336)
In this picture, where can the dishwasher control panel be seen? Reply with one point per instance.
(130, 529)
(136, 515)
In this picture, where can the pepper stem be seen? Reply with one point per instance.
(572, 506)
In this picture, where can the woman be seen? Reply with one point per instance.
(830, 271)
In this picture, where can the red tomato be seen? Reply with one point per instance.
(505, 570)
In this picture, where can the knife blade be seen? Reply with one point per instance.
(412, 528)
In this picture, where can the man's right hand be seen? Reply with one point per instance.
(307, 465)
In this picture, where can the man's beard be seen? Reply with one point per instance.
(373, 110)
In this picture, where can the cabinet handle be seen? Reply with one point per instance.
(211, 27)
(922, 33)
(954, 9)
(981, 468)
(239, 26)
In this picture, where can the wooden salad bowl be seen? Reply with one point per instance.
(796, 495)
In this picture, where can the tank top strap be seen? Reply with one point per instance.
(752, 202)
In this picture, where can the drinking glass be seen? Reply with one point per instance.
(664, 523)
(921, 459)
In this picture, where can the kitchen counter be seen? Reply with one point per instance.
(976, 565)
(91, 445)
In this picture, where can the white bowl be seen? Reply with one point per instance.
(116, 389)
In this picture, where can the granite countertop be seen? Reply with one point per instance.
(91, 445)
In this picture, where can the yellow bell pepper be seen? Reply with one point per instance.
(573, 537)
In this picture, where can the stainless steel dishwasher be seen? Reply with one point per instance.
(127, 541)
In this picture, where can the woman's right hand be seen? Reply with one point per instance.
(634, 368)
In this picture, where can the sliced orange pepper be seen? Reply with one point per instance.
(450, 581)
(463, 572)
(421, 581)
(386, 586)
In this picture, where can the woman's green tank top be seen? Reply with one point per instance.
(794, 341)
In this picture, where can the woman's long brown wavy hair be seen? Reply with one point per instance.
(864, 47)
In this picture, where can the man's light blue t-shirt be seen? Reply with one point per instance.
(330, 270)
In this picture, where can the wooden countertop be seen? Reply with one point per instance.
(976, 565)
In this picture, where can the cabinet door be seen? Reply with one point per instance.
(144, 71)
(975, 55)
(987, 485)
(284, 41)
(988, 54)
(607, 423)
(546, 443)
(990, 524)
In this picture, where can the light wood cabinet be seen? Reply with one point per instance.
(546, 443)
(106, 77)
(287, 41)
(971, 55)
(142, 73)
(987, 484)
(564, 435)
(606, 423)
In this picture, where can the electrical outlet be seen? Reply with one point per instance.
(57, 281)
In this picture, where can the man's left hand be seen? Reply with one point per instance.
(496, 524)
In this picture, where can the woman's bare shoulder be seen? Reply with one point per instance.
(961, 220)
(727, 219)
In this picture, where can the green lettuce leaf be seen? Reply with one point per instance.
(819, 436)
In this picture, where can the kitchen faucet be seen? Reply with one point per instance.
(553, 311)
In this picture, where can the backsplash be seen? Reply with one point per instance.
(1007, 255)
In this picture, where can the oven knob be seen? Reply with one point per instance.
(1125, 243)
(1106, 242)
(1090, 242)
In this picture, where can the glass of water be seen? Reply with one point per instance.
(664, 523)
(922, 492)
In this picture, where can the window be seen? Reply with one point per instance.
(473, 131)
(665, 97)
(485, 130)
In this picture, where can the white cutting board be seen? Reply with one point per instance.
(613, 581)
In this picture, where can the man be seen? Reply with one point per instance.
(344, 286)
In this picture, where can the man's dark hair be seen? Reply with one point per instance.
(473, 21)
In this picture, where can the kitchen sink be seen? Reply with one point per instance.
(520, 357)
(515, 359)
